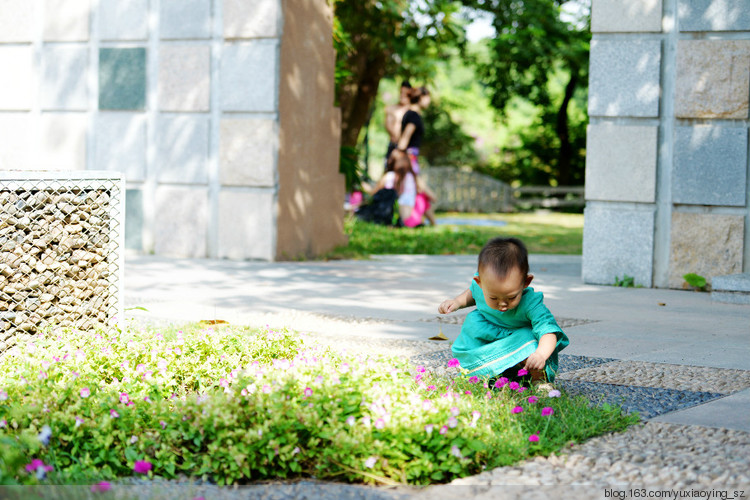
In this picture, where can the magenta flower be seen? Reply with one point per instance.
(142, 466)
(124, 399)
(430, 387)
(500, 383)
(517, 409)
(101, 486)
(3, 395)
(379, 423)
(421, 369)
(513, 386)
(85, 392)
(224, 383)
(474, 379)
(533, 399)
(547, 411)
(522, 372)
(444, 429)
(113, 413)
(534, 438)
(37, 464)
(453, 362)
(308, 392)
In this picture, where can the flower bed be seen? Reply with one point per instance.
(234, 405)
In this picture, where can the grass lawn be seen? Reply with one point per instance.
(543, 232)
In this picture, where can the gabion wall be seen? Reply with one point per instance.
(61, 257)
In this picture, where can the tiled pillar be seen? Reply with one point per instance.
(667, 155)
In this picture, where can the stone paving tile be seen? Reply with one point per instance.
(661, 375)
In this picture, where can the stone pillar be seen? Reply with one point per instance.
(218, 113)
(667, 178)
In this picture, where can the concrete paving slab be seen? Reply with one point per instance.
(723, 413)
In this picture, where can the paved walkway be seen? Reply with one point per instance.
(668, 340)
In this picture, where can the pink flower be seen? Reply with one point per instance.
(444, 429)
(452, 422)
(453, 362)
(142, 466)
(421, 369)
(224, 383)
(554, 393)
(417, 377)
(428, 428)
(37, 464)
(533, 399)
(430, 387)
(517, 409)
(124, 399)
(113, 413)
(101, 486)
(85, 392)
(500, 383)
(474, 379)
(379, 423)
(308, 392)
(534, 438)
(547, 411)
(163, 424)
(456, 451)
(522, 372)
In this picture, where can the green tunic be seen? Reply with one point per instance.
(492, 341)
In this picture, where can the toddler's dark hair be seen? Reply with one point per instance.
(500, 255)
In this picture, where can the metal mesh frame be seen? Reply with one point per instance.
(61, 251)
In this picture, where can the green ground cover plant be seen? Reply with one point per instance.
(235, 405)
(548, 233)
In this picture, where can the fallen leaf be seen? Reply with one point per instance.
(439, 336)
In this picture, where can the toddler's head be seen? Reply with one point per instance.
(503, 272)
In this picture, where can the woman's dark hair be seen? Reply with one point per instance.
(500, 255)
(416, 93)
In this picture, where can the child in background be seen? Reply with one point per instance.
(511, 328)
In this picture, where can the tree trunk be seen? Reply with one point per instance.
(565, 157)
(359, 93)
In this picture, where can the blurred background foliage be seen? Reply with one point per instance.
(510, 104)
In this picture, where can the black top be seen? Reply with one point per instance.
(416, 138)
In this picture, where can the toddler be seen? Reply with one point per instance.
(511, 328)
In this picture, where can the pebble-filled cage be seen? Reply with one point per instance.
(61, 251)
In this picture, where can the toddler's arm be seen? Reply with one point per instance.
(539, 358)
(464, 299)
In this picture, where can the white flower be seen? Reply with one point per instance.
(456, 452)
(370, 462)
(45, 435)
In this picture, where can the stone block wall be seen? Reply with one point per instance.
(219, 114)
(667, 169)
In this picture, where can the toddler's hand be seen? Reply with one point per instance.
(448, 306)
(535, 362)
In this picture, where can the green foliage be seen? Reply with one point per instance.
(349, 166)
(626, 282)
(695, 280)
(234, 405)
(544, 233)
(445, 142)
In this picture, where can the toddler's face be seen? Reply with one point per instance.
(504, 293)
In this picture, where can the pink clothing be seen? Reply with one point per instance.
(407, 196)
(421, 206)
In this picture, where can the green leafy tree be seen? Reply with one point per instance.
(378, 38)
(534, 44)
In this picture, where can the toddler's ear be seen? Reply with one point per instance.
(476, 278)
(529, 279)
